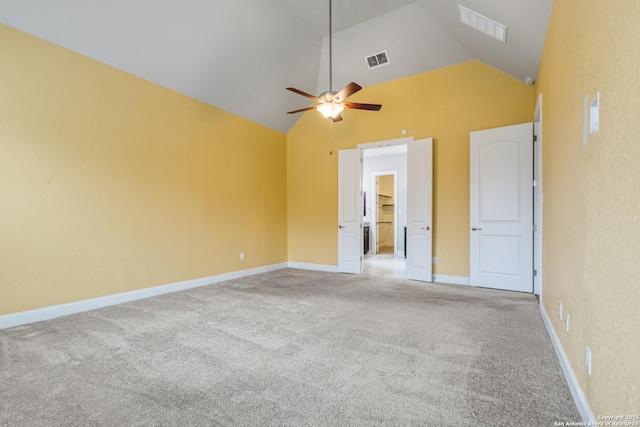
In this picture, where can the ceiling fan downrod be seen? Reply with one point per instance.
(330, 49)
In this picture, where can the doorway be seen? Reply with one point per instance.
(384, 182)
(413, 206)
(385, 225)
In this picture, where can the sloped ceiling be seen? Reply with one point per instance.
(239, 55)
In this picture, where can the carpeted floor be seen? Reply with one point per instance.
(290, 348)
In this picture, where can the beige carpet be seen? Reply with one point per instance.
(290, 348)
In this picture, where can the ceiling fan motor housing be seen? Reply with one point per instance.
(328, 96)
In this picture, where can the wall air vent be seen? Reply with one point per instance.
(483, 24)
(377, 60)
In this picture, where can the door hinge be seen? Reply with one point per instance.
(535, 183)
(535, 138)
(535, 272)
(535, 227)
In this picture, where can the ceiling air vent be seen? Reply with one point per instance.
(377, 60)
(483, 24)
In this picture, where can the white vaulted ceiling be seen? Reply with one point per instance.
(239, 55)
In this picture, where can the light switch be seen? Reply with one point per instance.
(594, 122)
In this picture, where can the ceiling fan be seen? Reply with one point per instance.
(330, 103)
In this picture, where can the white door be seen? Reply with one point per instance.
(350, 243)
(419, 209)
(501, 235)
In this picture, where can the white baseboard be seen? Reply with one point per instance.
(576, 391)
(47, 313)
(316, 267)
(453, 280)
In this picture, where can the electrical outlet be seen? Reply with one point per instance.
(566, 322)
(241, 256)
(434, 260)
(588, 354)
(560, 310)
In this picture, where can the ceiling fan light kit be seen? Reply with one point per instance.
(330, 110)
(330, 103)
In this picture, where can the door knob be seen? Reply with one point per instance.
(476, 229)
(342, 226)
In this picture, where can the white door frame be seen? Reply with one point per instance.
(386, 143)
(379, 144)
(360, 148)
(374, 177)
(538, 197)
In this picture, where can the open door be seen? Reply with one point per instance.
(419, 209)
(350, 243)
(501, 187)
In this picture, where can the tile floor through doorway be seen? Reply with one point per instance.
(385, 265)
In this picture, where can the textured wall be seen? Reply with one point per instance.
(591, 213)
(445, 104)
(109, 183)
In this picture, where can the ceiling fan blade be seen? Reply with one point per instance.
(299, 92)
(347, 91)
(301, 110)
(359, 106)
(337, 118)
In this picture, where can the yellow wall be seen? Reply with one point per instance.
(109, 183)
(445, 104)
(591, 213)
